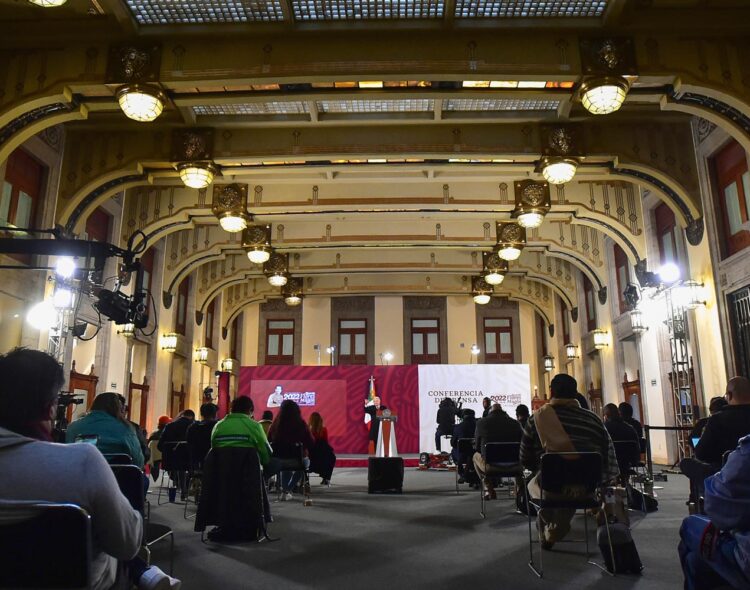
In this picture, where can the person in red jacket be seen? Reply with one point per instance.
(322, 456)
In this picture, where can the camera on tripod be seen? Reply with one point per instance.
(68, 399)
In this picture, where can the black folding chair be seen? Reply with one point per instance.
(130, 480)
(175, 462)
(464, 448)
(628, 459)
(503, 460)
(118, 458)
(561, 471)
(45, 545)
(297, 465)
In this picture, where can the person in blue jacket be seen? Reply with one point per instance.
(114, 435)
(715, 547)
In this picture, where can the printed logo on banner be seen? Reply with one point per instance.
(303, 399)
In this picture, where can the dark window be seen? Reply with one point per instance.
(182, 304)
(147, 264)
(565, 322)
(671, 247)
(739, 308)
(352, 342)
(235, 337)
(21, 194)
(97, 225)
(623, 275)
(280, 342)
(425, 341)
(729, 167)
(210, 324)
(498, 340)
(590, 295)
(542, 337)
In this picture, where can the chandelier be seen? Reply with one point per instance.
(256, 240)
(511, 238)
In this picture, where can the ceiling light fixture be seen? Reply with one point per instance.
(511, 238)
(292, 292)
(48, 3)
(276, 269)
(229, 204)
(558, 170)
(604, 95)
(197, 174)
(481, 290)
(494, 268)
(532, 203)
(141, 102)
(256, 240)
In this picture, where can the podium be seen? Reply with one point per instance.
(386, 443)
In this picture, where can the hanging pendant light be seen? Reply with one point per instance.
(256, 240)
(276, 269)
(292, 292)
(558, 170)
(511, 238)
(532, 203)
(197, 174)
(481, 291)
(494, 268)
(603, 95)
(141, 102)
(229, 204)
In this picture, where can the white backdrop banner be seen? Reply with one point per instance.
(507, 385)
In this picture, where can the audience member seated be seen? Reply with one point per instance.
(621, 432)
(715, 548)
(114, 435)
(287, 431)
(626, 412)
(522, 414)
(153, 441)
(716, 405)
(582, 401)
(139, 432)
(176, 431)
(498, 426)
(177, 459)
(36, 469)
(199, 435)
(464, 429)
(446, 419)
(563, 426)
(266, 420)
(322, 456)
(238, 429)
(725, 428)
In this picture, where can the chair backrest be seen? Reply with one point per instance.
(130, 480)
(465, 446)
(505, 453)
(628, 452)
(175, 456)
(562, 470)
(118, 458)
(44, 545)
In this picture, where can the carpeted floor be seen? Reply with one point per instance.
(429, 537)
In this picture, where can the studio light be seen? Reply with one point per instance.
(601, 96)
(65, 267)
(571, 351)
(232, 223)
(669, 273)
(601, 339)
(475, 350)
(558, 170)
(197, 174)
(63, 298)
(43, 316)
(141, 102)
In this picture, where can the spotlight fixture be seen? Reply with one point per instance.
(65, 267)
(494, 269)
(532, 203)
(549, 363)
(292, 292)
(511, 238)
(558, 170)
(63, 298)
(197, 174)
(276, 269)
(603, 95)
(669, 273)
(571, 351)
(141, 102)
(229, 204)
(601, 339)
(474, 350)
(43, 316)
(481, 290)
(256, 240)
(387, 357)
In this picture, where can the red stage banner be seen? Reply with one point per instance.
(339, 394)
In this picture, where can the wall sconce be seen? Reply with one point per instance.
(494, 268)
(256, 240)
(636, 322)
(511, 238)
(276, 269)
(693, 294)
(228, 365)
(168, 342)
(201, 355)
(229, 204)
(571, 352)
(601, 339)
(532, 202)
(292, 292)
(127, 330)
(549, 363)
(481, 291)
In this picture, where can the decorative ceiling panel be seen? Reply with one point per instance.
(499, 104)
(251, 108)
(164, 12)
(530, 8)
(376, 106)
(333, 10)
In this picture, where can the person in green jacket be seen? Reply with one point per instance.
(238, 429)
(114, 434)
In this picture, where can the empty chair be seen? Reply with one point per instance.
(502, 460)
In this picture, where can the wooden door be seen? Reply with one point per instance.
(632, 391)
(85, 386)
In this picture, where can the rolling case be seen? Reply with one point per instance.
(385, 474)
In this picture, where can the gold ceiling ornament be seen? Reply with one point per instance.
(533, 202)
(135, 69)
(481, 291)
(494, 268)
(561, 148)
(192, 149)
(276, 269)
(229, 204)
(511, 238)
(256, 240)
(292, 291)
(608, 64)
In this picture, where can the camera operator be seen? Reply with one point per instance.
(38, 470)
(446, 419)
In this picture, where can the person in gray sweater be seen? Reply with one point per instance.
(37, 469)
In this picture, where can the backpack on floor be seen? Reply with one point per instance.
(626, 555)
(637, 500)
